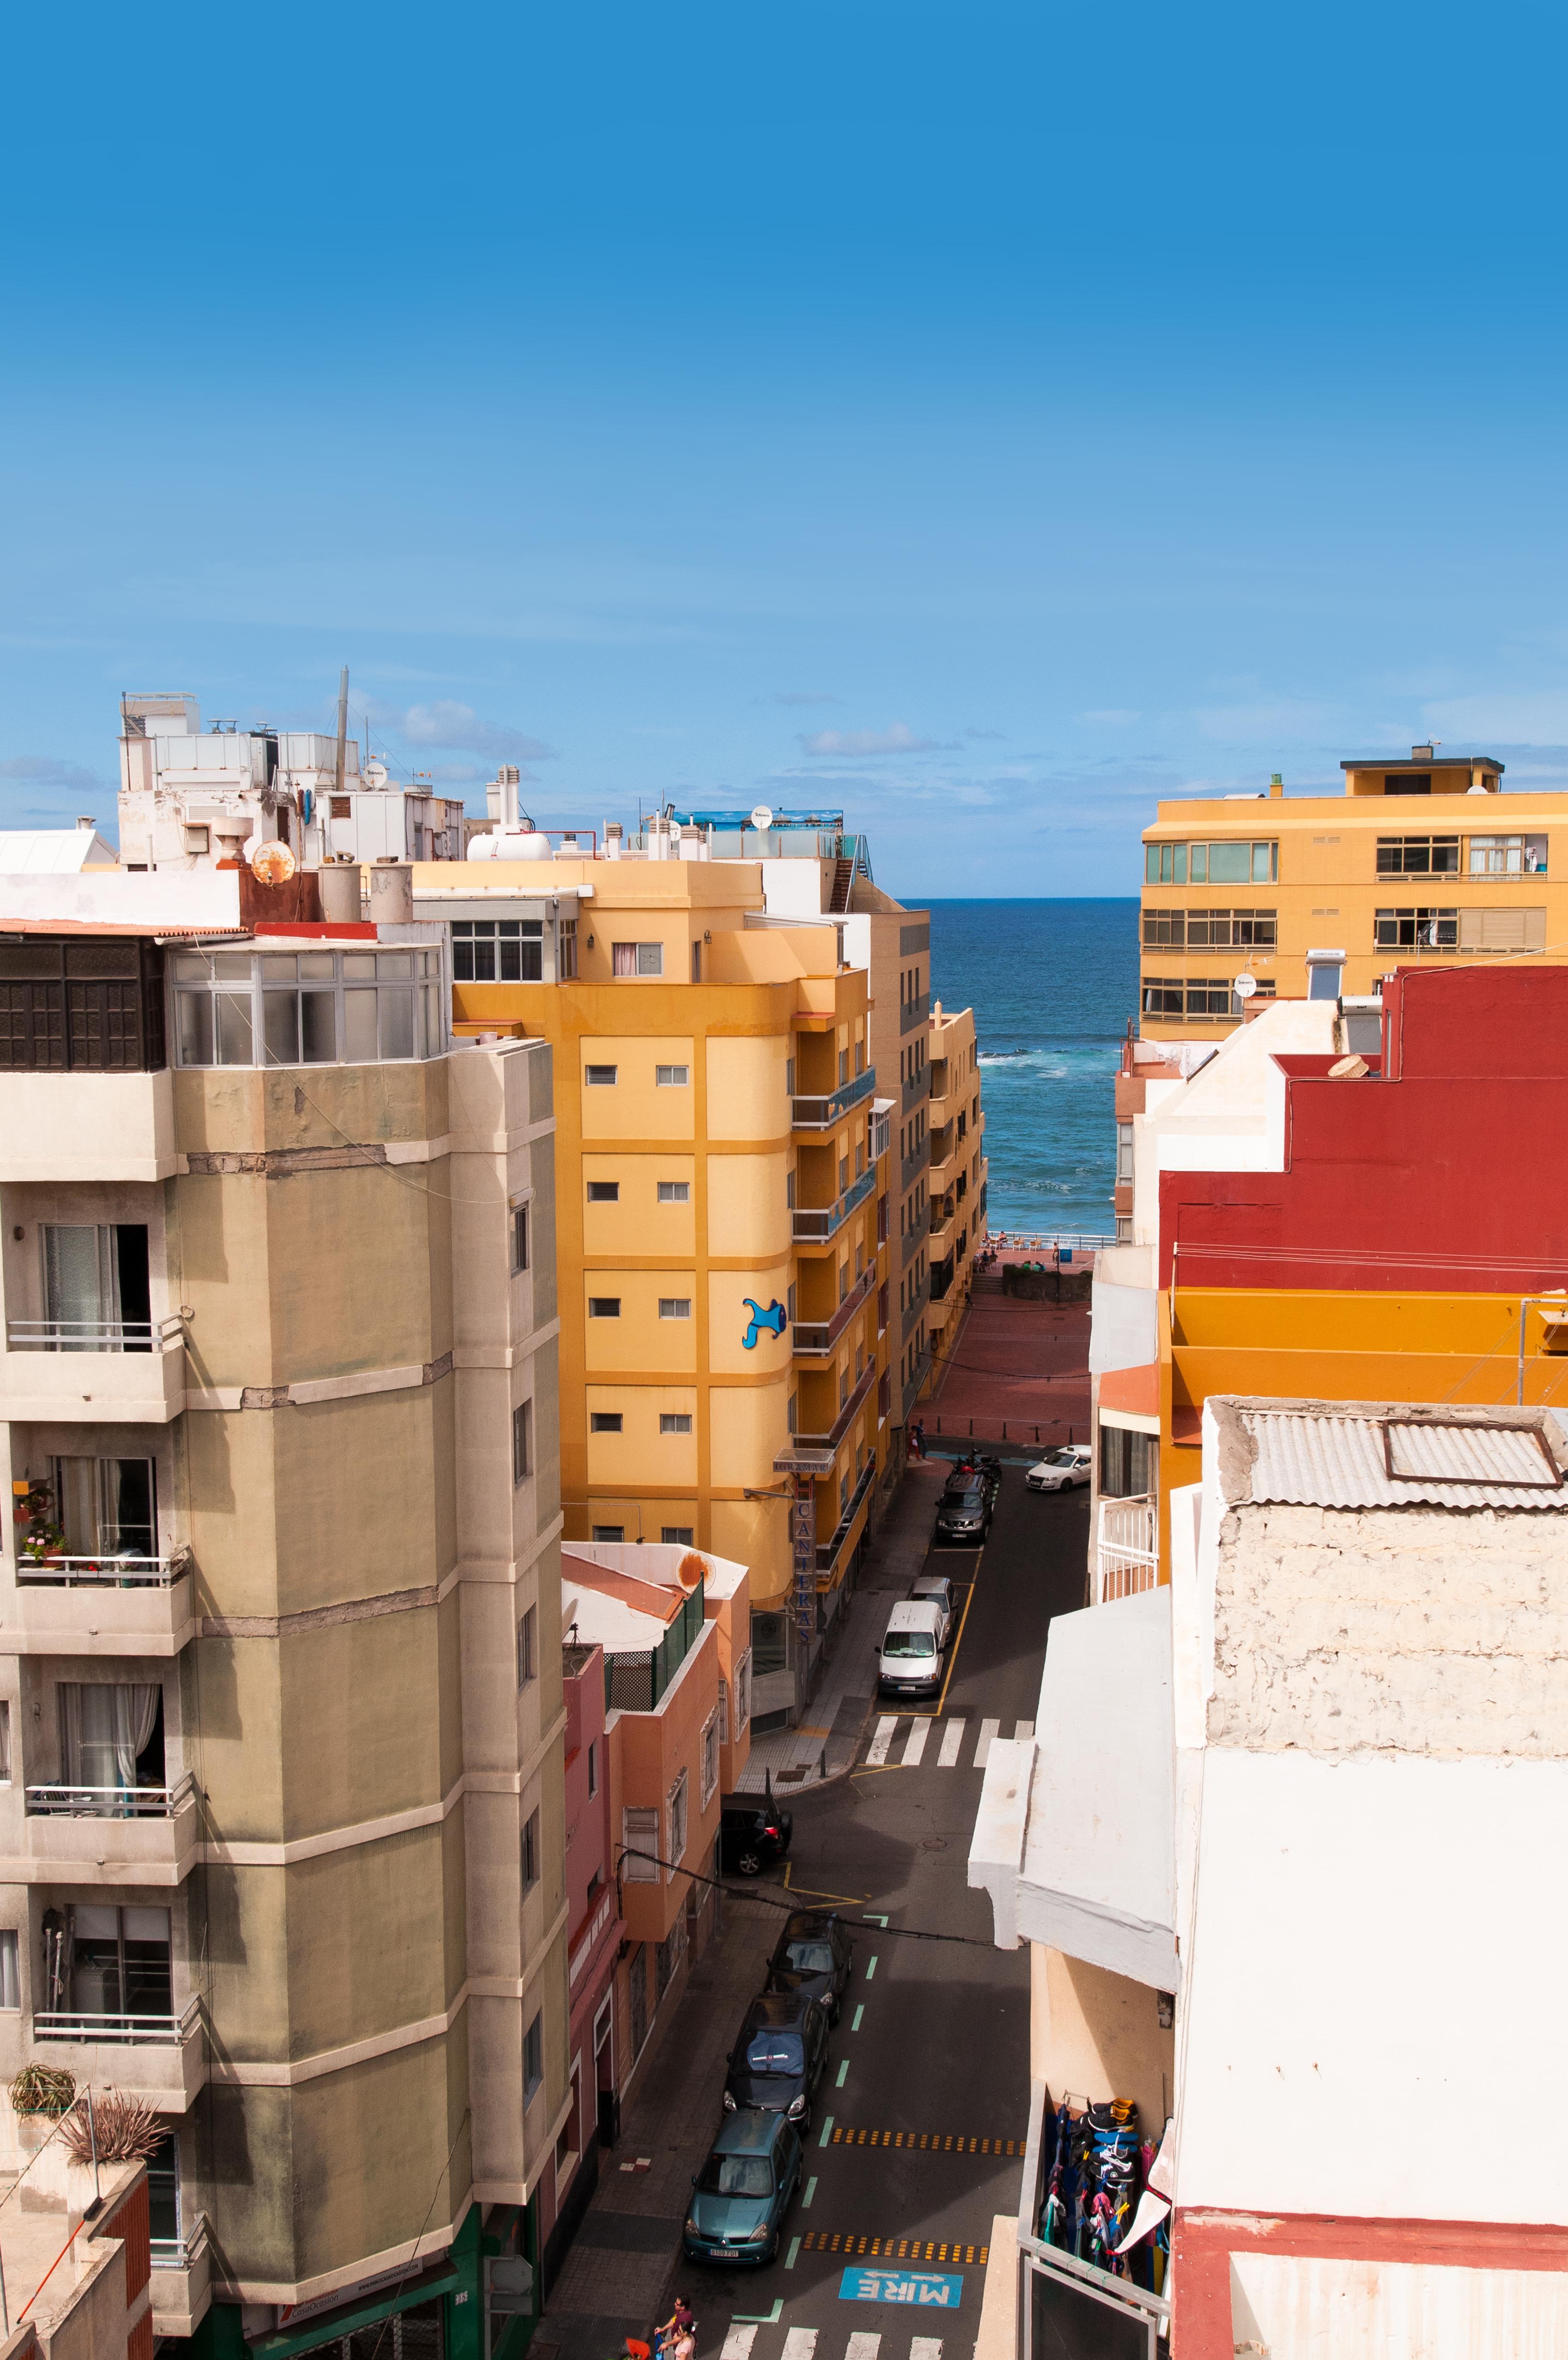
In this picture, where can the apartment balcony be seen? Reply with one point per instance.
(943, 1231)
(815, 1224)
(942, 1276)
(101, 1606)
(944, 1146)
(814, 1340)
(881, 1128)
(88, 1126)
(813, 1454)
(160, 2058)
(916, 1305)
(830, 1552)
(909, 1244)
(912, 1388)
(1127, 1548)
(820, 1114)
(182, 2279)
(94, 1372)
(107, 1835)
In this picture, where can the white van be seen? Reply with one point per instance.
(908, 1661)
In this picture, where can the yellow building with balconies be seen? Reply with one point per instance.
(958, 1171)
(1420, 859)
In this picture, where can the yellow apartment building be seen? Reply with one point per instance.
(721, 1215)
(1420, 859)
(958, 1169)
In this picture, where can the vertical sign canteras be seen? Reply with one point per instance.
(804, 1518)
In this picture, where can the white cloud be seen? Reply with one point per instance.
(898, 739)
(1469, 723)
(458, 729)
(49, 771)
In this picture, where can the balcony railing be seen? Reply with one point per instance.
(912, 1388)
(1127, 1556)
(178, 2253)
(636, 1681)
(150, 2031)
(111, 1572)
(820, 1114)
(92, 1335)
(814, 1338)
(61, 1802)
(831, 1550)
(815, 1224)
(814, 1453)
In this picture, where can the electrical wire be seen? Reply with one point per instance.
(791, 1908)
(408, 2266)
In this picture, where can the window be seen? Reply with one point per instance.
(96, 1287)
(1211, 996)
(742, 1692)
(497, 950)
(710, 1760)
(599, 1077)
(603, 1192)
(522, 1440)
(671, 1077)
(603, 1307)
(1508, 855)
(675, 1192)
(1407, 782)
(639, 1845)
(678, 1535)
(592, 1770)
(1163, 995)
(1211, 864)
(531, 1851)
(1418, 855)
(1124, 1151)
(1223, 930)
(637, 958)
(675, 1421)
(1124, 1463)
(789, 1078)
(609, 1531)
(566, 951)
(675, 1306)
(1503, 929)
(793, 1414)
(790, 1190)
(677, 1823)
(696, 962)
(604, 1421)
(1164, 930)
(533, 2059)
(323, 1007)
(1435, 930)
(107, 1507)
(10, 1969)
(842, 1067)
(528, 1647)
(519, 1236)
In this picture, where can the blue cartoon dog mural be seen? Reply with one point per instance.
(770, 1322)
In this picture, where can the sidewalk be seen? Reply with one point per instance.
(1016, 1365)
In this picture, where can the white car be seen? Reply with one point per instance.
(908, 1661)
(1061, 1469)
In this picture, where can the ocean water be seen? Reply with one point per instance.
(1053, 985)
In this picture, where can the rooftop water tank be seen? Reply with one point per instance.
(511, 844)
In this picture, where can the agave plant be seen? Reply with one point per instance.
(121, 2129)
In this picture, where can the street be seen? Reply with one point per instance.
(919, 2123)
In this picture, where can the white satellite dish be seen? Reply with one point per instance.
(1244, 986)
(375, 775)
(762, 818)
(272, 863)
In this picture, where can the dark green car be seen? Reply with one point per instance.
(740, 2196)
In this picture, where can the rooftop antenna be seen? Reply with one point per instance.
(342, 729)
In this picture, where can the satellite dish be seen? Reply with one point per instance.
(1244, 986)
(272, 864)
(374, 775)
(762, 818)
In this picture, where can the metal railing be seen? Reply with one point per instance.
(636, 1681)
(111, 1572)
(819, 1443)
(150, 2031)
(93, 1335)
(178, 2253)
(816, 1338)
(917, 1304)
(831, 1550)
(1127, 1551)
(63, 1802)
(814, 1224)
(820, 1114)
(912, 1389)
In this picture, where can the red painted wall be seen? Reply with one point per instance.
(1444, 1174)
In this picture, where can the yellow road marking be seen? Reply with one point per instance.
(902, 2249)
(927, 2142)
(811, 1890)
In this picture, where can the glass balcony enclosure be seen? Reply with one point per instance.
(328, 1005)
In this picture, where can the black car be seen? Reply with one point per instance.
(777, 2062)
(963, 1514)
(812, 1957)
(752, 1833)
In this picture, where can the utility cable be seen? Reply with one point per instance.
(408, 2266)
(791, 1908)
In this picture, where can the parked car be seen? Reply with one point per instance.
(938, 1590)
(813, 1956)
(778, 2061)
(752, 1833)
(982, 1466)
(1061, 1469)
(740, 2196)
(963, 1514)
(908, 1661)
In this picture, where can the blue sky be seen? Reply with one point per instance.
(986, 419)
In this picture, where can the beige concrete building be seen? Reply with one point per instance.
(280, 1685)
(958, 1171)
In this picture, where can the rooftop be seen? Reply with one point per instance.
(1360, 1455)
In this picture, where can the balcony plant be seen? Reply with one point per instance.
(43, 1542)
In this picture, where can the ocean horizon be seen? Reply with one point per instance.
(1054, 984)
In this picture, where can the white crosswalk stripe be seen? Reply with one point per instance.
(989, 1730)
(738, 2343)
(1024, 1729)
(919, 1732)
(951, 1744)
(925, 2347)
(863, 2347)
(800, 2343)
(877, 1752)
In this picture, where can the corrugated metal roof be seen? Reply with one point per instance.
(1327, 1460)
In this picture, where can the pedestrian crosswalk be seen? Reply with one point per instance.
(885, 1750)
(809, 2344)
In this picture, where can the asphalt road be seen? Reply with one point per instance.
(919, 2123)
